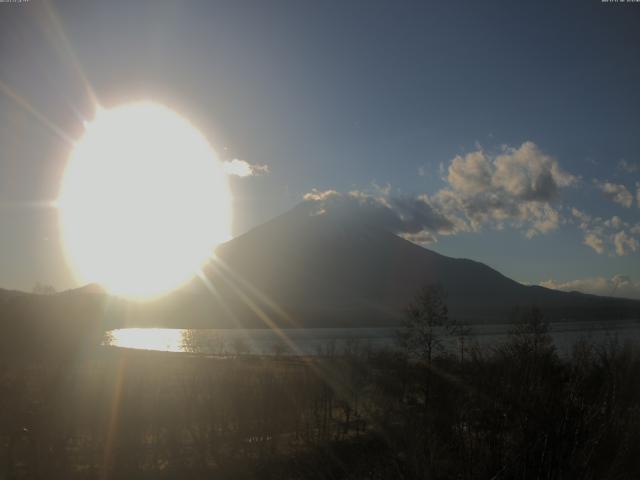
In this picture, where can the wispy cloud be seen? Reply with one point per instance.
(242, 168)
(616, 192)
(611, 235)
(624, 243)
(594, 241)
(628, 167)
(616, 286)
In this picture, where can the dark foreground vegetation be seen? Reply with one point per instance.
(517, 411)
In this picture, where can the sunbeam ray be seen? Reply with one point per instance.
(233, 284)
(257, 293)
(64, 46)
(9, 92)
(114, 415)
(214, 291)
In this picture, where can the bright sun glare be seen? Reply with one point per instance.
(143, 201)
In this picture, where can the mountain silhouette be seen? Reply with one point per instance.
(330, 270)
(334, 269)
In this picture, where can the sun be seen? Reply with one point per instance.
(143, 201)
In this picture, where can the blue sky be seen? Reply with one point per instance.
(514, 126)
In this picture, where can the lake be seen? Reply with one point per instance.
(326, 341)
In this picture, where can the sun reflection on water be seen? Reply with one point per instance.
(163, 339)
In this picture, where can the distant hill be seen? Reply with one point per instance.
(303, 270)
(7, 294)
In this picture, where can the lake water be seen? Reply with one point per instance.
(324, 341)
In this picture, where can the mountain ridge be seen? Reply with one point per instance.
(301, 269)
(368, 262)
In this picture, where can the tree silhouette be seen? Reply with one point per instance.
(531, 333)
(425, 317)
(461, 332)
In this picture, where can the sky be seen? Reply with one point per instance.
(505, 132)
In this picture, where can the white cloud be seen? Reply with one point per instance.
(616, 193)
(580, 215)
(614, 222)
(543, 219)
(612, 235)
(471, 174)
(423, 237)
(416, 218)
(624, 243)
(528, 173)
(617, 286)
(519, 188)
(319, 196)
(516, 187)
(242, 168)
(594, 241)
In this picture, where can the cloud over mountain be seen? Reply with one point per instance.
(516, 187)
(399, 214)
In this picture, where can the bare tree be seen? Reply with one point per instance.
(531, 332)
(421, 332)
(460, 331)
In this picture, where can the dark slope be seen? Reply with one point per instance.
(337, 270)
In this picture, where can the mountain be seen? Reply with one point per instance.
(337, 270)
(305, 270)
